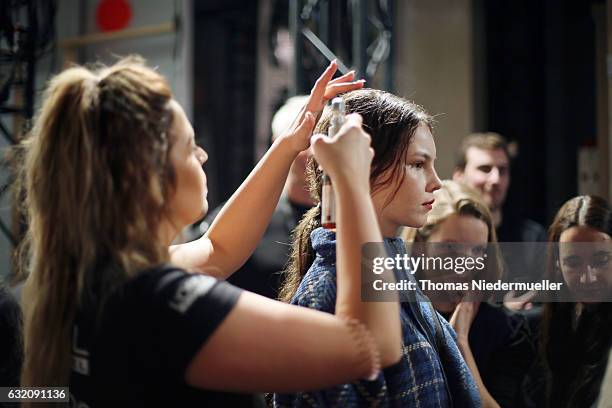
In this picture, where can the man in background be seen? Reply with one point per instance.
(483, 162)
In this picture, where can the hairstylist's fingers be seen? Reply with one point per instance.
(316, 143)
(335, 89)
(307, 123)
(306, 127)
(318, 91)
(303, 131)
(353, 124)
(353, 118)
(344, 78)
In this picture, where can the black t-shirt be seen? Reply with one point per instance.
(504, 350)
(11, 349)
(134, 349)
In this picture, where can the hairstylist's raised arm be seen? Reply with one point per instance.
(268, 345)
(358, 225)
(237, 229)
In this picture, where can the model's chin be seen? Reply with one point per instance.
(417, 221)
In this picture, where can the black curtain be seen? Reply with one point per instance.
(540, 91)
(225, 34)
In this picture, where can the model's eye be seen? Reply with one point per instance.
(418, 165)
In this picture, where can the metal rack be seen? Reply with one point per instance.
(27, 32)
(321, 24)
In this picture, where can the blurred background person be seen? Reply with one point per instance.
(483, 162)
(496, 340)
(575, 337)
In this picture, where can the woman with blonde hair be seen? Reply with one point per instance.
(496, 343)
(112, 175)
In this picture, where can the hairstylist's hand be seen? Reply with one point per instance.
(348, 155)
(463, 317)
(324, 89)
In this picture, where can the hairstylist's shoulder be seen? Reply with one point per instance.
(179, 311)
(178, 289)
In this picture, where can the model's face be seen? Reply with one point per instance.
(188, 202)
(489, 172)
(414, 198)
(586, 265)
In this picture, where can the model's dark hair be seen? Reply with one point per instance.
(391, 121)
(575, 350)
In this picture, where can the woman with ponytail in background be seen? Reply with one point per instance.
(403, 179)
(576, 336)
(112, 175)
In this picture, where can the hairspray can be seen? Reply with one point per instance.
(328, 204)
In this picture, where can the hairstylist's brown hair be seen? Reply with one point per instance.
(576, 356)
(391, 122)
(97, 177)
(457, 198)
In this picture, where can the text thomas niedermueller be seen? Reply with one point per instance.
(428, 285)
(458, 265)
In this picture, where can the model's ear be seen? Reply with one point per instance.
(458, 175)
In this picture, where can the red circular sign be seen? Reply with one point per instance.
(113, 15)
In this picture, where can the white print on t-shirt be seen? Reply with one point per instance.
(189, 290)
(80, 357)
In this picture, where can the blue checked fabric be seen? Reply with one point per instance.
(417, 380)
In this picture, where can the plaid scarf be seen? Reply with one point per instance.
(418, 379)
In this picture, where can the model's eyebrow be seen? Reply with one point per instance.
(423, 154)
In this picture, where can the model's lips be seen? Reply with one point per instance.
(428, 205)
